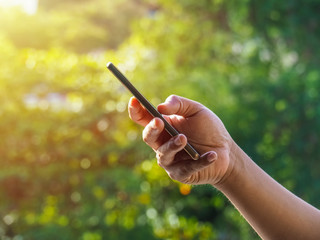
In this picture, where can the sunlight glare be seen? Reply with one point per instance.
(29, 6)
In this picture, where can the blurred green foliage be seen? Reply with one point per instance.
(72, 163)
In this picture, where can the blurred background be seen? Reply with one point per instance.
(73, 166)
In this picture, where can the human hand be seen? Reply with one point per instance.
(204, 131)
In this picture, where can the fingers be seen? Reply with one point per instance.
(170, 154)
(167, 152)
(180, 106)
(138, 113)
(173, 105)
(182, 170)
(152, 133)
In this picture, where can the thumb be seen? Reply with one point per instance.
(179, 106)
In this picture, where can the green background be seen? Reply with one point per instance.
(73, 166)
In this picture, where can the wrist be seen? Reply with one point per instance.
(237, 163)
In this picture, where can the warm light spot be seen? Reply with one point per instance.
(29, 6)
(185, 189)
(173, 220)
(145, 186)
(75, 102)
(110, 106)
(75, 197)
(146, 165)
(152, 213)
(121, 106)
(85, 163)
(8, 219)
(102, 125)
(132, 135)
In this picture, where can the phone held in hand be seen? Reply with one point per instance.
(151, 109)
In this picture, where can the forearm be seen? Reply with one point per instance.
(273, 211)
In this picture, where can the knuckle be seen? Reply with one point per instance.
(171, 97)
(172, 146)
(159, 156)
(144, 137)
(146, 134)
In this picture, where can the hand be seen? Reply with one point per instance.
(204, 131)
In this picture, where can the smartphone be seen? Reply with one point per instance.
(150, 108)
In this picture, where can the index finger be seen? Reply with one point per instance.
(138, 113)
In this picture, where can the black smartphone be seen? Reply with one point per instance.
(151, 109)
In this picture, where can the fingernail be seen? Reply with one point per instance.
(212, 157)
(177, 141)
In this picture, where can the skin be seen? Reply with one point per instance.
(273, 211)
